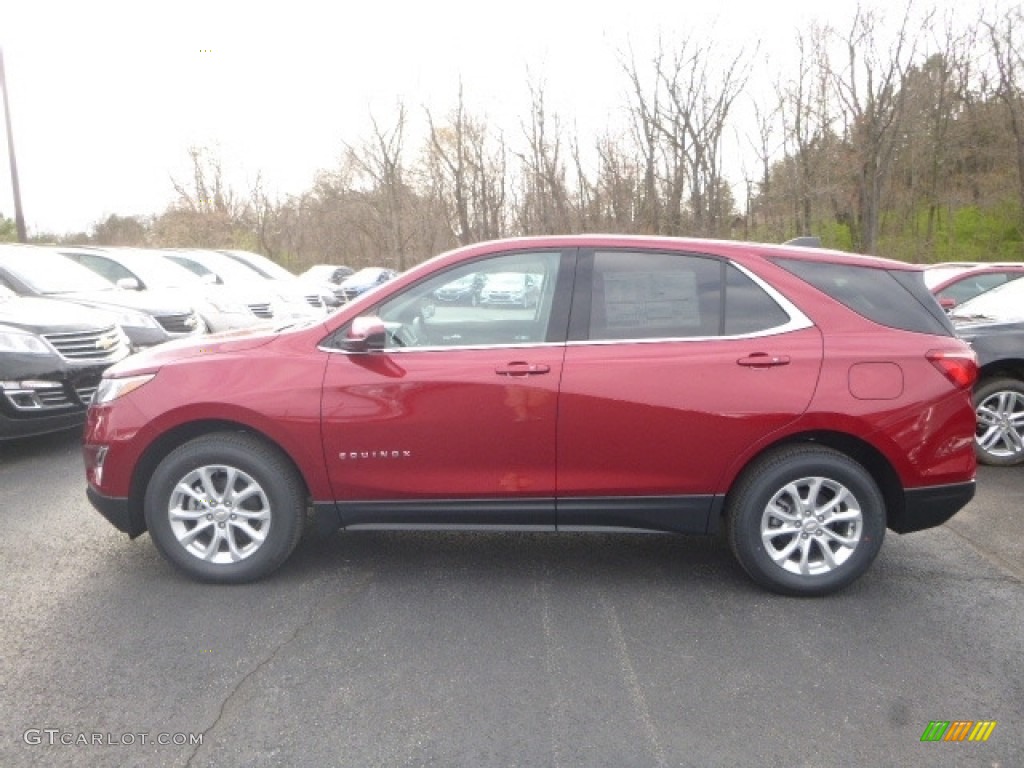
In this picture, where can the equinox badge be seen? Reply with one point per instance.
(356, 455)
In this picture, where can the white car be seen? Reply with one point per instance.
(222, 308)
(283, 280)
(289, 303)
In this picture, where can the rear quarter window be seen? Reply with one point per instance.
(894, 298)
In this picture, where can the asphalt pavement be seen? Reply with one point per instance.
(434, 649)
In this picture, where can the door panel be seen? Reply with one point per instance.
(680, 362)
(666, 418)
(442, 424)
(454, 419)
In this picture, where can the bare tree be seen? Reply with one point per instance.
(1009, 61)
(466, 171)
(873, 109)
(680, 122)
(544, 205)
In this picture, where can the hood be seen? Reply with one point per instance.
(223, 343)
(52, 316)
(235, 294)
(153, 302)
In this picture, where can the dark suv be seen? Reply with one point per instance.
(802, 400)
(993, 324)
(52, 354)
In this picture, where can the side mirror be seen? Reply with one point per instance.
(947, 304)
(365, 335)
(127, 283)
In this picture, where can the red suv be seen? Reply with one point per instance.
(800, 400)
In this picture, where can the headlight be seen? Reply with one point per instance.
(23, 343)
(111, 389)
(133, 319)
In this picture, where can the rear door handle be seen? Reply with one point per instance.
(522, 369)
(763, 360)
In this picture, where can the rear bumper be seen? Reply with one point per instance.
(118, 513)
(928, 507)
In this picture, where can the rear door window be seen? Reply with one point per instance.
(654, 295)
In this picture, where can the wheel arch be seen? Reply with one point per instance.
(865, 454)
(158, 450)
(1009, 368)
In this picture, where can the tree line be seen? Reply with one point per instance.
(900, 135)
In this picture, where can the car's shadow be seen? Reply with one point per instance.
(598, 557)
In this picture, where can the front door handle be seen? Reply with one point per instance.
(522, 369)
(763, 360)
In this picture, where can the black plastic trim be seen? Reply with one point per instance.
(928, 507)
(449, 513)
(118, 512)
(672, 514)
(669, 514)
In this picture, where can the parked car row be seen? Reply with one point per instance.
(68, 312)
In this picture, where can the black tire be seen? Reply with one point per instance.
(785, 480)
(999, 411)
(264, 524)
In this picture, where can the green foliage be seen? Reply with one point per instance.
(8, 230)
(835, 234)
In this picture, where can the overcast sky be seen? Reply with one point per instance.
(107, 97)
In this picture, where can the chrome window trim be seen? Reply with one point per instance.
(798, 321)
(447, 348)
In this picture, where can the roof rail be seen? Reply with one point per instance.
(805, 242)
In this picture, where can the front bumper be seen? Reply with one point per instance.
(929, 507)
(40, 424)
(118, 512)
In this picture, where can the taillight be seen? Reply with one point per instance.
(961, 368)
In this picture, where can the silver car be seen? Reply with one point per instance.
(290, 303)
(222, 308)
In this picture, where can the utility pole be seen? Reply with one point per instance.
(19, 218)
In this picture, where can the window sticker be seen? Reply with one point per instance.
(651, 299)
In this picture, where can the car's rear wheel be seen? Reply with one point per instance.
(225, 507)
(999, 408)
(805, 520)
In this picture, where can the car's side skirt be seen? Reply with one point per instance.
(669, 514)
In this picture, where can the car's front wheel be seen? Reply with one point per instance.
(805, 520)
(225, 508)
(999, 409)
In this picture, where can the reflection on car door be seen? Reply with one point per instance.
(661, 390)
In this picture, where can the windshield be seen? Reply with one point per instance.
(157, 271)
(1004, 302)
(261, 265)
(364, 276)
(227, 269)
(48, 273)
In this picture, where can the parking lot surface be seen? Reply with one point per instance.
(430, 649)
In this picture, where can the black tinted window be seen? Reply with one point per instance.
(897, 298)
(748, 309)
